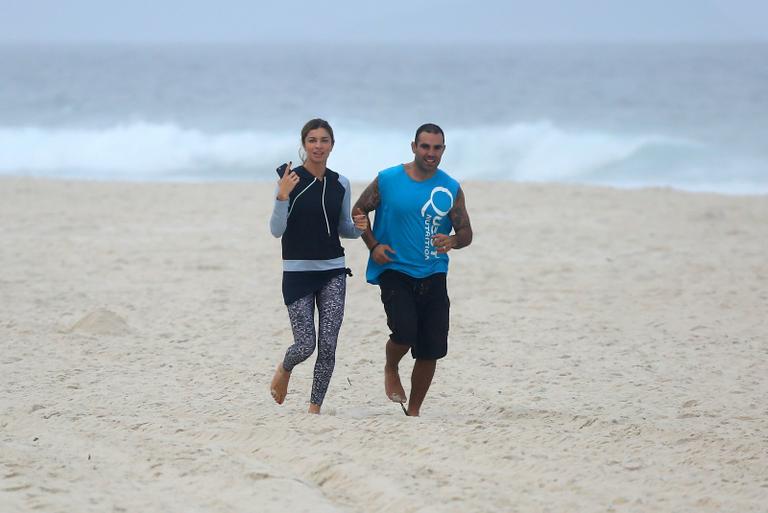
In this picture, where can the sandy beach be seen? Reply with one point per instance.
(608, 352)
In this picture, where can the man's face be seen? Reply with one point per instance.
(428, 150)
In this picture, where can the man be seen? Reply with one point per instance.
(417, 204)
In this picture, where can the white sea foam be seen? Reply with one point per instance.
(525, 151)
(141, 151)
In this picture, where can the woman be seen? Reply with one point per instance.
(312, 209)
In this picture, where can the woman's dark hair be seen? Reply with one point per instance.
(429, 128)
(313, 124)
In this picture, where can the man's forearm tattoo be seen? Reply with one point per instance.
(369, 199)
(367, 203)
(460, 220)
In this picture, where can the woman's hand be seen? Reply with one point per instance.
(287, 183)
(360, 219)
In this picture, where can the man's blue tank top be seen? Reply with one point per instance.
(409, 214)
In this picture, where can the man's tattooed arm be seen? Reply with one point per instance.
(461, 225)
(368, 202)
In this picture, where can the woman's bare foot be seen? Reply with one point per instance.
(392, 385)
(279, 386)
(314, 408)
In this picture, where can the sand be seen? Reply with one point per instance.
(608, 352)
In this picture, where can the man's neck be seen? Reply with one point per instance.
(418, 174)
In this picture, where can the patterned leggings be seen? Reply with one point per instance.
(330, 306)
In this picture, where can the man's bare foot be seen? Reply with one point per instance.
(392, 385)
(279, 386)
(314, 408)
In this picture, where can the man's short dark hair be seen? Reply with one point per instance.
(429, 128)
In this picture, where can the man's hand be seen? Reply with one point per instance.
(443, 243)
(379, 253)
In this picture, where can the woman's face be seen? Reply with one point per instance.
(318, 145)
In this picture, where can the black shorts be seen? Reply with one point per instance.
(417, 312)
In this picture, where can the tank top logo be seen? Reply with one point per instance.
(441, 206)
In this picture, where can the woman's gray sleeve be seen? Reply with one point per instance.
(279, 219)
(346, 225)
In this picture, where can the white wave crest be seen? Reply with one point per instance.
(538, 151)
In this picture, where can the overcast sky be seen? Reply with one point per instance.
(382, 21)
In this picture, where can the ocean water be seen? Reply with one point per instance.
(693, 117)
